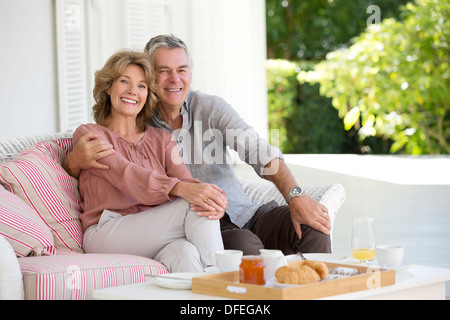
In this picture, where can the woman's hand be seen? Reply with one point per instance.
(208, 200)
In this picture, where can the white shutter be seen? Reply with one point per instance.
(136, 23)
(71, 55)
(145, 19)
(201, 38)
(159, 17)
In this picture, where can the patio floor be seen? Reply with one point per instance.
(409, 198)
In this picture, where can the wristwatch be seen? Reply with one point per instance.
(294, 192)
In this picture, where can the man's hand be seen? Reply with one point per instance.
(86, 153)
(305, 210)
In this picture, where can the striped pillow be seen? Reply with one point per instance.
(22, 227)
(37, 177)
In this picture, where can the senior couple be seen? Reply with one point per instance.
(140, 192)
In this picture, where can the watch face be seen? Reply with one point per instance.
(296, 191)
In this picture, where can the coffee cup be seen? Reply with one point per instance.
(273, 259)
(228, 260)
(390, 255)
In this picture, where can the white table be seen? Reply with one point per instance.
(418, 282)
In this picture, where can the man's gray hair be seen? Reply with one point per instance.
(167, 41)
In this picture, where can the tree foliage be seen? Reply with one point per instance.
(393, 81)
(299, 34)
(309, 29)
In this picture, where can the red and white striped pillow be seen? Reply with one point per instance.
(22, 227)
(37, 177)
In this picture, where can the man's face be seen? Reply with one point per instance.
(173, 76)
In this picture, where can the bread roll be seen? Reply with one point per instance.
(302, 272)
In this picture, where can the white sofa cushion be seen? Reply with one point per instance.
(37, 178)
(10, 276)
(331, 197)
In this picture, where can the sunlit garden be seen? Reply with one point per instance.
(364, 77)
(359, 94)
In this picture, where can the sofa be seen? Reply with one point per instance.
(41, 249)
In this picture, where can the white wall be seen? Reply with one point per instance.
(28, 71)
(226, 39)
(235, 56)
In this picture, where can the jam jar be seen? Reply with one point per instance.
(251, 270)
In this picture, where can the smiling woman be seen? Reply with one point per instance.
(128, 94)
(142, 204)
(126, 75)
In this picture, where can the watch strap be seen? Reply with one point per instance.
(294, 193)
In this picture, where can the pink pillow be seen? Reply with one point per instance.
(22, 227)
(37, 177)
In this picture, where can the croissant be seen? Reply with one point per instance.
(320, 267)
(302, 272)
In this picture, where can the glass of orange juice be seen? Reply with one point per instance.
(363, 239)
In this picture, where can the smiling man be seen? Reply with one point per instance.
(203, 125)
(173, 76)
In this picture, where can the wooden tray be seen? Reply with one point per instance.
(227, 285)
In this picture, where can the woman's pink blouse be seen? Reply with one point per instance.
(139, 176)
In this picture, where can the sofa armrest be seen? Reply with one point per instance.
(11, 286)
(332, 196)
(11, 147)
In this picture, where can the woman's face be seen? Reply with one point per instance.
(128, 93)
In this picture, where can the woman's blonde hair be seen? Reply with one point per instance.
(112, 70)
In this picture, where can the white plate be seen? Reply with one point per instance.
(402, 267)
(179, 280)
(325, 257)
(287, 285)
(283, 285)
(212, 269)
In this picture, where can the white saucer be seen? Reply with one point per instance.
(179, 280)
(402, 267)
(287, 285)
(212, 269)
(325, 257)
(283, 285)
